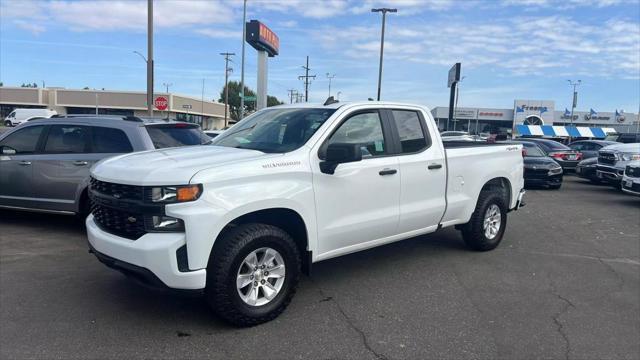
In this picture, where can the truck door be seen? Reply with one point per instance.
(359, 202)
(422, 165)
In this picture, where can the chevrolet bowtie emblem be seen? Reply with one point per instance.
(131, 219)
(117, 196)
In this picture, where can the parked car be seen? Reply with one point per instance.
(590, 148)
(18, 116)
(613, 159)
(586, 169)
(458, 136)
(631, 178)
(539, 169)
(625, 138)
(213, 133)
(44, 164)
(564, 155)
(289, 186)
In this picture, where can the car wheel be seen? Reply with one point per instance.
(7, 123)
(252, 275)
(486, 227)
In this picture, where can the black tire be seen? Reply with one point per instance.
(473, 232)
(7, 123)
(226, 258)
(555, 187)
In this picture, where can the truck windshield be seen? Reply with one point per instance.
(275, 131)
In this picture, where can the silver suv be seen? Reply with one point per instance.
(44, 164)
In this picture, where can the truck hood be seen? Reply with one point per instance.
(174, 166)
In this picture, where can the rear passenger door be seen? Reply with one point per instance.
(422, 172)
(69, 151)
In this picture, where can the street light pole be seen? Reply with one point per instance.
(244, 34)
(575, 97)
(150, 57)
(330, 77)
(384, 12)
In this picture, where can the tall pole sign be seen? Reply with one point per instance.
(150, 57)
(261, 38)
(454, 78)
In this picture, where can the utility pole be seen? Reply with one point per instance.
(166, 85)
(244, 36)
(150, 58)
(291, 93)
(227, 56)
(202, 106)
(330, 77)
(306, 78)
(384, 12)
(575, 96)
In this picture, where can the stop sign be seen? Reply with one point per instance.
(161, 103)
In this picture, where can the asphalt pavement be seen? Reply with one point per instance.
(564, 284)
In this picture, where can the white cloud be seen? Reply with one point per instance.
(35, 29)
(546, 45)
(220, 33)
(288, 24)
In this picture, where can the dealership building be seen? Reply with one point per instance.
(208, 114)
(531, 112)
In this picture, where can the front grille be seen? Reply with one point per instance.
(634, 186)
(633, 172)
(607, 158)
(118, 191)
(118, 222)
(537, 174)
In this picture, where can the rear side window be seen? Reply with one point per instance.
(410, 131)
(66, 139)
(176, 135)
(23, 141)
(110, 141)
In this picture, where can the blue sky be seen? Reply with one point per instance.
(509, 49)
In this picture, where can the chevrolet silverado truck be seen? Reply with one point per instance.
(288, 186)
(612, 161)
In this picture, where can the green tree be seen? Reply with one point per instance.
(234, 100)
(273, 101)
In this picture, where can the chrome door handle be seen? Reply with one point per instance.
(25, 163)
(80, 163)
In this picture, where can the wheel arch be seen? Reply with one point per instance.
(501, 185)
(284, 218)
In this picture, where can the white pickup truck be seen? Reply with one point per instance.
(289, 186)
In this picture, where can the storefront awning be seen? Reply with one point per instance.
(563, 131)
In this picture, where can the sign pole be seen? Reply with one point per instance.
(454, 77)
(261, 93)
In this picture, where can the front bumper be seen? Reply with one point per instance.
(631, 185)
(155, 252)
(609, 173)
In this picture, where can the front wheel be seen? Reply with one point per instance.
(486, 227)
(252, 274)
(7, 123)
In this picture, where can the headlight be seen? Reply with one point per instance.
(555, 171)
(173, 194)
(164, 223)
(629, 156)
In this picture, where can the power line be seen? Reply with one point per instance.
(306, 78)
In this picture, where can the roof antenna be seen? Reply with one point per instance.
(330, 100)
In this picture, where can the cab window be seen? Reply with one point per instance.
(23, 141)
(364, 129)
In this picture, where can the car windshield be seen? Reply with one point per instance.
(275, 130)
(174, 135)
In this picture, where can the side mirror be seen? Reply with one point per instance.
(340, 153)
(7, 150)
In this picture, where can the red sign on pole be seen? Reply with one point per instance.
(161, 103)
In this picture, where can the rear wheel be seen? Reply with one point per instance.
(252, 274)
(486, 227)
